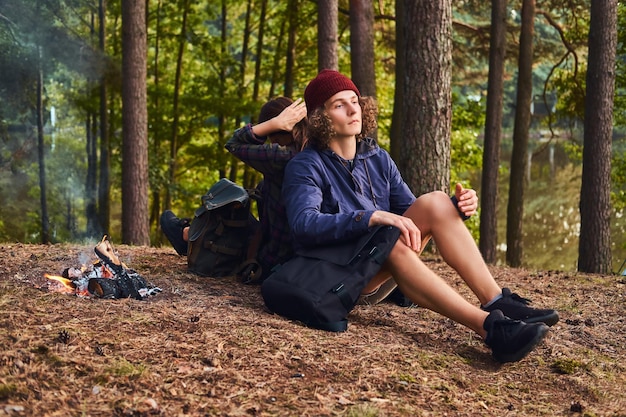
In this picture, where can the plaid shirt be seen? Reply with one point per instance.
(269, 159)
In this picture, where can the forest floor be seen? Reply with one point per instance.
(207, 346)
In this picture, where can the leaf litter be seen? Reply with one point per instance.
(208, 346)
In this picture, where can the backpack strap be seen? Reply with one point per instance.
(223, 249)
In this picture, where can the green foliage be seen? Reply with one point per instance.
(468, 118)
(570, 87)
(618, 180)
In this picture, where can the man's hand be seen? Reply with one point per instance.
(410, 234)
(467, 200)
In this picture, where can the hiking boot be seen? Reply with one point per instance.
(516, 307)
(172, 228)
(511, 340)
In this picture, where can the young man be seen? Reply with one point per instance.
(267, 147)
(343, 184)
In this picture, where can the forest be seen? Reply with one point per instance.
(207, 68)
(113, 111)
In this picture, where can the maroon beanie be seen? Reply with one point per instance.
(324, 86)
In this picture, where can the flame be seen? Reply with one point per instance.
(67, 285)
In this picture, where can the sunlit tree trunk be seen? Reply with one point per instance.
(425, 156)
(594, 249)
(362, 46)
(135, 225)
(515, 209)
(327, 26)
(493, 133)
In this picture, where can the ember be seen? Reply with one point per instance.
(107, 277)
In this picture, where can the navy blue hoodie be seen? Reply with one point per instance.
(329, 199)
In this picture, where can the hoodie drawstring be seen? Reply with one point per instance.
(354, 180)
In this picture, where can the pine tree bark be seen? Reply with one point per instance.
(362, 46)
(426, 121)
(594, 248)
(135, 226)
(327, 23)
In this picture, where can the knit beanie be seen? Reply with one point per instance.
(325, 85)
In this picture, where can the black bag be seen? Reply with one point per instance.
(220, 231)
(320, 286)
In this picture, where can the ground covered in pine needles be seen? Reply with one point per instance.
(208, 347)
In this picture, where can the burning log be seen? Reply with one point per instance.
(106, 278)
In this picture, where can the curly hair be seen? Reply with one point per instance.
(319, 127)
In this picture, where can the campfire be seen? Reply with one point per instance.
(106, 277)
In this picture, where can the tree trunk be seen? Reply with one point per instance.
(425, 156)
(104, 185)
(155, 209)
(182, 43)
(327, 26)
(43, 201)
(241, 92)
(292, 14)
(135, 225)
(362, 46)
(515, 210)
(396, 133)
(594, 248)
(493, 133)
(221, 119)
(259, 52)
(91, 181)
(276, 66)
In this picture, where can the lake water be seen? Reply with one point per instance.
(551, 215)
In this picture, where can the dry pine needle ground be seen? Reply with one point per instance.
(209, 347)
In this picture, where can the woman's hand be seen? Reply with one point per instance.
(410, 234)
(291, 115)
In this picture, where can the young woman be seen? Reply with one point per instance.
(267, 147)
(343, 184)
